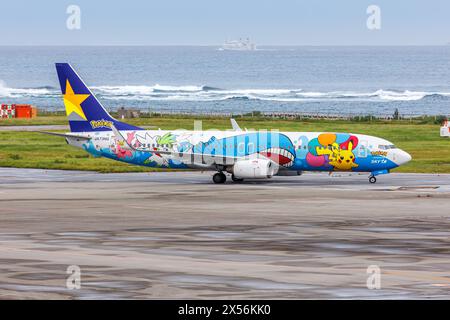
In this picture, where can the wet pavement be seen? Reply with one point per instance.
(177, 235)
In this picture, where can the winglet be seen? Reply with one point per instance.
(235, 125)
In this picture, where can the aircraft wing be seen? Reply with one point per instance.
(200, 157)
(66, 135)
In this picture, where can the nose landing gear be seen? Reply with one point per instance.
(219, 177)
(372, 178)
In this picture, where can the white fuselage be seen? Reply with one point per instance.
(297, 151)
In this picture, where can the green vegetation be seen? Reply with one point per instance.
(48, 120)
(35, 150)
(419, 137)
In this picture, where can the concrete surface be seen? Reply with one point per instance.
(177, 235)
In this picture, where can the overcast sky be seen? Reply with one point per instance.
(210, 22)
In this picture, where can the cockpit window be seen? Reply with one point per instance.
(386, 146)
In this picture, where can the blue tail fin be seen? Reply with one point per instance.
(84, 111)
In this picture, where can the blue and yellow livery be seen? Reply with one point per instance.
(243, 154)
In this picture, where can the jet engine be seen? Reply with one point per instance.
(254, 169)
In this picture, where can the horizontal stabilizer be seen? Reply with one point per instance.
(66, 135)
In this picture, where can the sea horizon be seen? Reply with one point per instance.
(344, 79)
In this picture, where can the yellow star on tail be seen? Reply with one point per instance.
(73, 101)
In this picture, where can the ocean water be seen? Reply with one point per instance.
(328, 80)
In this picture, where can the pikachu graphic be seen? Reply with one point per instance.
(340, 159)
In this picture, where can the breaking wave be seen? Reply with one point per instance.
(44, 91)
(209, 93)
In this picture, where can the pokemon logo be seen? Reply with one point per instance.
(101, 124)
(379, 153)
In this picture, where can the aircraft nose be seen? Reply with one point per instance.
(403, 157)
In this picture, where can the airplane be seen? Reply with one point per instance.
(245, 154)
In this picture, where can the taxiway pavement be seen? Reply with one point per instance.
(178, 235)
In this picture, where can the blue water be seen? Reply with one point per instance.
(333, 80)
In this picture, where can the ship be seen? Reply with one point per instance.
(239, 45)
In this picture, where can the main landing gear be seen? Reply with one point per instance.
(372, 179)
(233, 177)
(219, 177)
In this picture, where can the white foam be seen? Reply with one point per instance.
(159, 92)
(129, 90)
(401, 96)
(178, 88)
(22, 92)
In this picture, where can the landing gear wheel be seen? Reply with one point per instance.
(372, 179)
(236, 179)
(219, 177)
